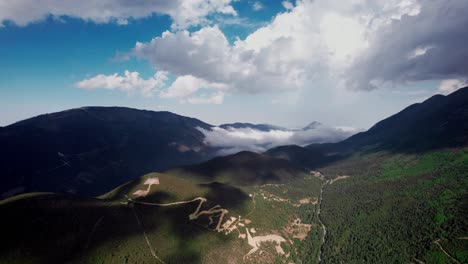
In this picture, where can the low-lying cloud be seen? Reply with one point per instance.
(232, 140)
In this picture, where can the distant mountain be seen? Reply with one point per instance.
(243, 168)
(261, 127)
(268, 127)
(92, 149)
(439, 122)
(312, 125)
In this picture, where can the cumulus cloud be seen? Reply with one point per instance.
(130, 82)
(451, 85)
(360, 44)
(232, 140)
(426, 43)
(184, 13)
(288, 5)
(185, 88)
(277, 57)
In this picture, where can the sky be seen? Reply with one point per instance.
(288, 63)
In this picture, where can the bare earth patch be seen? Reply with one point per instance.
(338, 178)
(217, 216)
(149, 182)
(255, 242)
(297, 229)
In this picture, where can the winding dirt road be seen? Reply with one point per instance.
(437, 242)
(324, 228)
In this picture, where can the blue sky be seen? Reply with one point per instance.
(285, 63)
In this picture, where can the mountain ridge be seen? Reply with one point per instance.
(438, 122)
(87, 150)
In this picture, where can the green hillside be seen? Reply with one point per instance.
(178, 220)
(396, 208)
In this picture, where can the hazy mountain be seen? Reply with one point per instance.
(261, 127)
(268, 127)
(439, 122)
(89, 150)
(312, 125)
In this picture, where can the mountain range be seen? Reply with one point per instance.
(393, 194)
(89, 150)
(439, 122)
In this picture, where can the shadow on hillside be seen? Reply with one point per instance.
(53, 228)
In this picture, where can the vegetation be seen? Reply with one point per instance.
(394, 208)
(112, 229)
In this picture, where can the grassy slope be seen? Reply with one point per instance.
(55, 228)
(394, 206)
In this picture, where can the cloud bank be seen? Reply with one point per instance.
(232, 140)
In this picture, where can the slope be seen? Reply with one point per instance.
(243, 169)
(439, 122)
(92, 149)
(163, 218)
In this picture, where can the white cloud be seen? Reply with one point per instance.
(356, 44)
(310, 39)
(451, 85)
(185, 88)
(184, 13)
(214, 98)
(288, 5)
(206, 54)
(233, 140)
(418, 51)
(421, 40)
(278, 57)
(257, 6)
(130, 82)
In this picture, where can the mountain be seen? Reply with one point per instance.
(268, 127)
(439, 122)
(261, 127)
(92, 149)
(59, 228)
(312, 125)
(243, 169)
(168, 218)
(396, 193)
